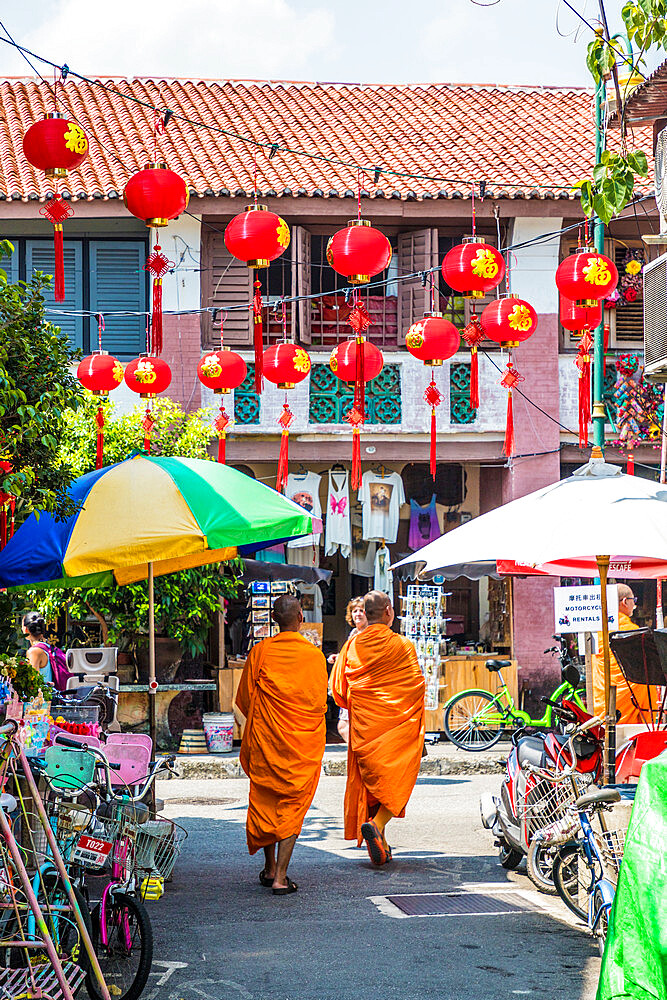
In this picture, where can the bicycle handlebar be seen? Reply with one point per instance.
(557, 776)
(161, 764)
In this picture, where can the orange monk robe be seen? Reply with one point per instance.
(377, 679)
(630, 715)
(283, 695)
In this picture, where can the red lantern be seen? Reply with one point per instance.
(55, 145)
(286, 364)
(509, 321)
(586, 276)
(473, 268)
(155, 195)
(148, 376)
(359, 252)
(433, 339)
(343, 361)
(7, 503)
(222, 371)
(257, 236)
(579, 318)
(100, 373)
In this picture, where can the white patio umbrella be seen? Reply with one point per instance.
(597, 521)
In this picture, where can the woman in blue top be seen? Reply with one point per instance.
(34, 627)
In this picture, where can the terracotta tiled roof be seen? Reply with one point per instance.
(523, 142)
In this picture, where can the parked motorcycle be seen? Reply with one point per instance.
(529, 803)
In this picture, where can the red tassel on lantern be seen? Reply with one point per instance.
(147, 425)
(355, 418)
(433, 397)
(57, 211)
(359, 320)
(157, 264)
(473, 334)
(285, 419)
(258, 336)
(222, 421)
(511, 378)
(99, 420)
(583, 363)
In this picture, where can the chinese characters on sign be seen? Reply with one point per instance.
(577, 609)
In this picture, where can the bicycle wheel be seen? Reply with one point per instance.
(539, 862)
(60, 920)
(602, 920)
(471, 721)
(573, 880)
(127, 957)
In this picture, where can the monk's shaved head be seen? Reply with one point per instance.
(624, 592)
(287, 613)
(375, 605)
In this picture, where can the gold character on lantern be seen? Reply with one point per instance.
(333, 360)
(145, 372)
(484, 264)
(597, 272)
(118, 372)
(520, 318)
(283, 234)
(301, 360)
(211, 367)
(75, 138)
(415, 336)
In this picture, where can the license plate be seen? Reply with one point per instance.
(91, 852)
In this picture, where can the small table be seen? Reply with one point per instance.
(134, 711)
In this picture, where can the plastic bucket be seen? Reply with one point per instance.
(219, 729)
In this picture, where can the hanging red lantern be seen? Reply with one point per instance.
(359, 252)
(473, 268)
(577, 318)
(433, 340)
(222, 370)
(100, 373)
(583, 363)
(473, 334)
(285, 365)
(343, 361)
(257, 237)
(509, 321)
(359, 362)
(148, 376)
(155, 195)
(56, 145)
(586, 277)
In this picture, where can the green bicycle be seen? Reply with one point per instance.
(475, 719)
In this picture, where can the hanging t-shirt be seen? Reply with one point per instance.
(310, 595)
(307, 555)
(381, 498)
(424, 525)
(362, 556)
(304, 489)
(337, 531)
(383, 578)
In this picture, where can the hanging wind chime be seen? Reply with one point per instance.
(359, 252)
(55, 145)
(509, 322)
(148, 377)
(100, 373)
(223, 371)
(473, 268)
(285, 365)
(580, 320)
(256, 237)
(433, 340)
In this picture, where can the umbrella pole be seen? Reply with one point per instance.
(609, 696)
(152, 689)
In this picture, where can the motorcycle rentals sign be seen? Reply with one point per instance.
(578, 609)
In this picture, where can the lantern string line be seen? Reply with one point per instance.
(271, 146)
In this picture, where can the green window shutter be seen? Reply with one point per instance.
(39, 256)
(118, 282)
(10, 265)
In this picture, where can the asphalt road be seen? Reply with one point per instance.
(219, 935)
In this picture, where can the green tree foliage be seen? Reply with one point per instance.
(37, 387)
(174, 432)
(612, 185)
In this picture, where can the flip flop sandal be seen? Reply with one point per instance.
(286, 890)
(373, 838)
(266, 880)
(388, 852)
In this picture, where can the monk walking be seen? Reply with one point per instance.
(283, 695)
(377, 679)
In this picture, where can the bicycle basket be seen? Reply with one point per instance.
(548, 802)
(612, 843)
(159, 843)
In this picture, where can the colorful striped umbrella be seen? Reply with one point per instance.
(148, 516)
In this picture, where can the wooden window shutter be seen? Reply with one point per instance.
(118, 282)
(303, 285)
(417, 251)
(39, 256)
(228, 282)
(10, 265)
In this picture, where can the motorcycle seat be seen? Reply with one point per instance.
(604, 796)
(530, 750)
(493, 665)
